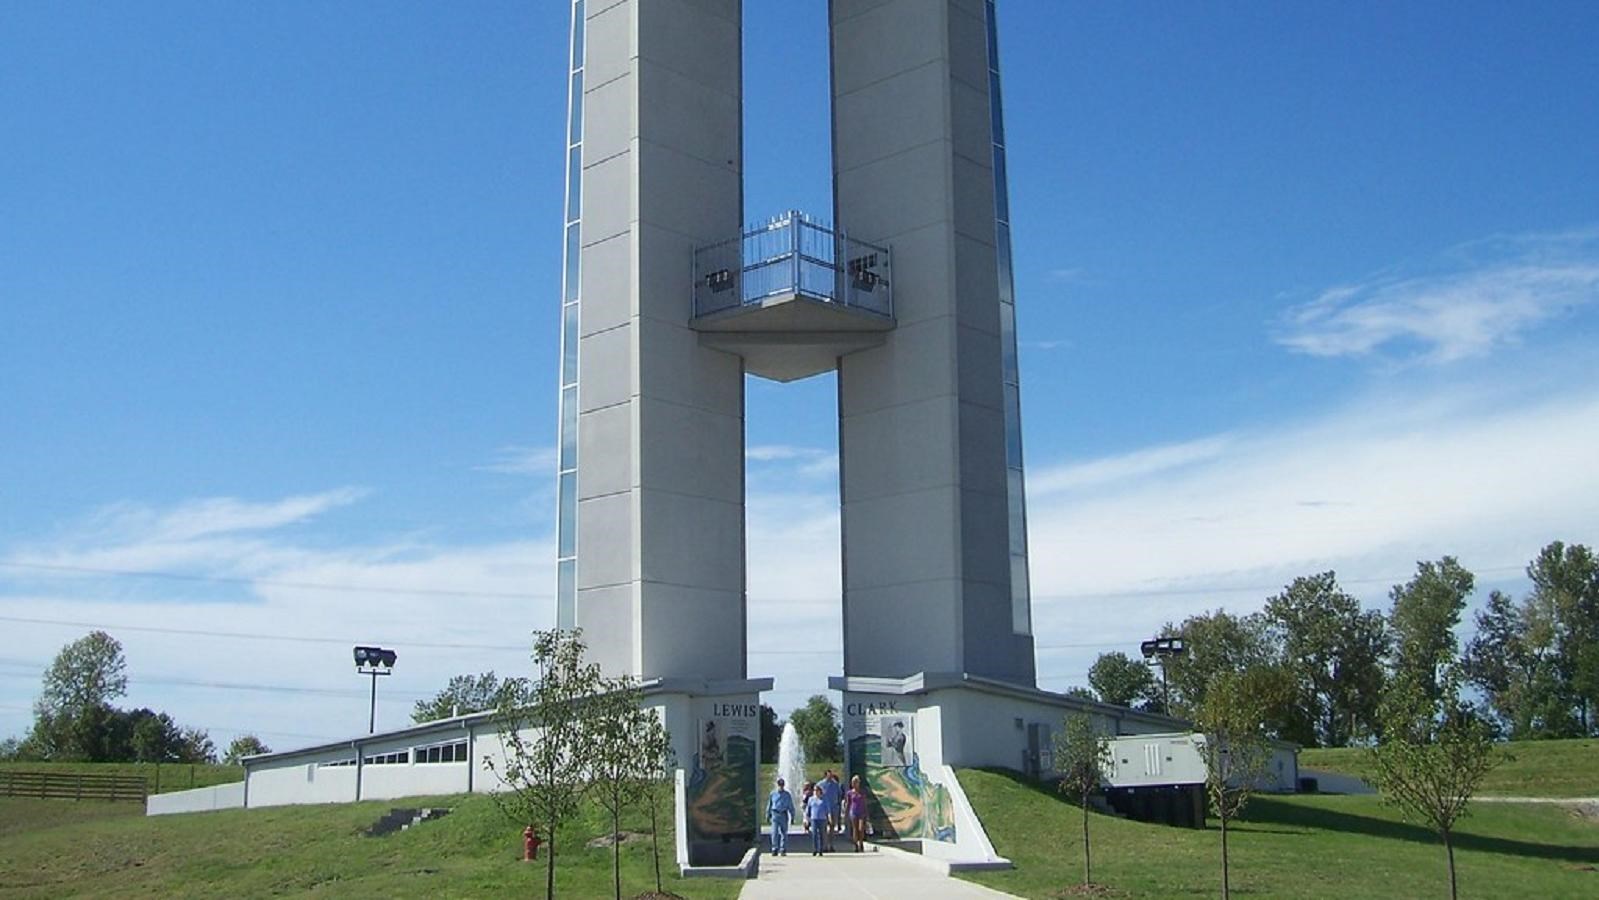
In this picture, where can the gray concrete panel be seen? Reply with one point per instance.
(974, 204)
(610, 117)
(673, 110)
(885, 40)
(608, 433)
(693, 39)
(609, 619)
(608, 204)
(608, 285)
(899, 538)
(606, 543)
(687, 630)
(673, 366)
(913, 365)
(692, 451)
(609, 29)
(704, 221)
(907, 191)
(977, 283)
(605, 370)
(692, 541)
(902, 628)
(969, 122)
(908, 447)
(968, 46)
(891, 117)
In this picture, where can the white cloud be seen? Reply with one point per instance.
(518, 460)
(1488, 294)
(274, 582)
(1488, 472)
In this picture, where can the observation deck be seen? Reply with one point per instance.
(792, 296)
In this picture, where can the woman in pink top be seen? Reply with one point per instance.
(855, 807)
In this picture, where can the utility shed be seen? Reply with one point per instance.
(1162, 760)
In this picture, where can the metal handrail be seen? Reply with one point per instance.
(793, 254)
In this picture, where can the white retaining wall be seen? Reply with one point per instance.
(206, 799)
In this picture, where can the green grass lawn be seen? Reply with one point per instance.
(162, 779)
(63, 848)
(1290, 846)
(1568, 768)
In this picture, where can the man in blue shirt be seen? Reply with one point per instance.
(780, 809)
(832, 793)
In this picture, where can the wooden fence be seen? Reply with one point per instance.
(73, 786)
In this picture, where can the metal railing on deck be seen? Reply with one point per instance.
(792, 254)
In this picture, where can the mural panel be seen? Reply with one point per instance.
(721, 785)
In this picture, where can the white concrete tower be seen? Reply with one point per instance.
(651, 522)
(934, 527)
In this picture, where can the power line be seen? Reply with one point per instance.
(237, 686)
(269, 582)
(302, 639)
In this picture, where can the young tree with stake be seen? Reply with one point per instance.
(1082, 755)
(544, 736)
(1434, 754)
(1235, 750)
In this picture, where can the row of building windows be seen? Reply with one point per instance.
(438, 753)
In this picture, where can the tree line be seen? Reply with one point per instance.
(1322, 664)
(74, 719)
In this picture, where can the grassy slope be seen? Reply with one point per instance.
(1568, 768)
(1309, 846)
(473, 852)
(171, 777)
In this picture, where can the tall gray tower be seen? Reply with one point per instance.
(668, 304)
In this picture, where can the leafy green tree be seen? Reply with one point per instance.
(1425, 611)
(197, 747)
(1081, 755)
(73, 717)
(817, 725)
(1217, 642)
(242, 746)
(617, 769)
(1235, 748)
(771, 734)
(155, 737)
(1565, 591)
(1120, 680)
(86, 673)
(464, 694)
(1434, 754)
(544, 739)
(1081, 693)
(656, 784)
(1333, 651)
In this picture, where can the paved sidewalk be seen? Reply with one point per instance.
(851, 876)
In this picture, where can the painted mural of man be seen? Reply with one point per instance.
(894, 744)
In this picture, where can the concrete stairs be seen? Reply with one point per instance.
(399, 819)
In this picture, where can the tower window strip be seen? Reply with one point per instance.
(567, 422)
(1021, 604)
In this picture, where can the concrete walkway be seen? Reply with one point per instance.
(851, 876)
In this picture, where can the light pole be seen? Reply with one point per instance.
(374, 661)
(1159, 650)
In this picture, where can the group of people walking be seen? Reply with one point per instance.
(825, 806)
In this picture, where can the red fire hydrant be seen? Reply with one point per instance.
(530, 844)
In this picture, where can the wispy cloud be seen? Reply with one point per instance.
(518, 460)
(811, 462)
(1478, 297)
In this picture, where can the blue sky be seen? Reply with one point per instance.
(1299, 287)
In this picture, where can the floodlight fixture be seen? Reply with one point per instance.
(1157, 652)
(374, 661)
